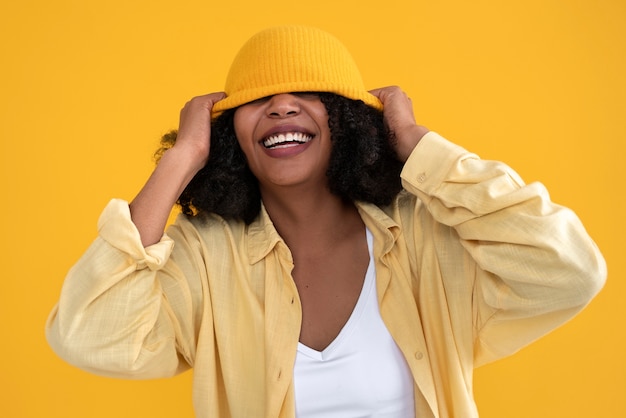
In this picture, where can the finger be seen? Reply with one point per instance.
(376, 92)
(208, 99)
(382, 93)
(216, 96)
(390, 94)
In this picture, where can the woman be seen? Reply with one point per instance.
(332, 259)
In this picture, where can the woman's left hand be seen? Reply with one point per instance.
(399, 117)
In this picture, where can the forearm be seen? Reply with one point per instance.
(151, 208)
(407, 139)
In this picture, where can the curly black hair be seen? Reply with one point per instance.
(363, 165)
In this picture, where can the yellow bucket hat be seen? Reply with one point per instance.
(287, 59)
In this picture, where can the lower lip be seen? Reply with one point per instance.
(288, 151)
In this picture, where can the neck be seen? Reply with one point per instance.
(303, 216)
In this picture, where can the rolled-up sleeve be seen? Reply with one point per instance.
(113, 316)
(534, 265)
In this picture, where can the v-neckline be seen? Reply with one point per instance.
(359, 308)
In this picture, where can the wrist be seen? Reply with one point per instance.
(185, 160)
(407, 139)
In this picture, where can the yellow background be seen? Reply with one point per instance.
(87, 88)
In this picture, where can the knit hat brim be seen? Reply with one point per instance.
(243, 97)
(290, 59)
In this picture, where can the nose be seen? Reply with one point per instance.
(283, 105)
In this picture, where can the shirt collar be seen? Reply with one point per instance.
(263, 237)
(384, 228)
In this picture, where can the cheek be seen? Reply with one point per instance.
(243, 130)
(238, 123)
(323, 118)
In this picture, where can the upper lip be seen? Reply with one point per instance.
(284, 129)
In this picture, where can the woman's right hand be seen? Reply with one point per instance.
(152, 206)
(194, 130)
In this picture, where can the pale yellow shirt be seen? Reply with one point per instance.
(471, 265)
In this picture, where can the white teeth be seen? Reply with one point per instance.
(282, 138)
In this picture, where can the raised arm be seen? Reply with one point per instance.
(533, 266)
(152, 206)
(127, 307)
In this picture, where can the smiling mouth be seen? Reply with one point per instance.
(286, 139)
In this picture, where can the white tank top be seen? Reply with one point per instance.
(362, 373)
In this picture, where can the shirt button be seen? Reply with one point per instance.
(421, 178)
(419, 355)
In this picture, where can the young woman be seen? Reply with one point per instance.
(333, 259)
